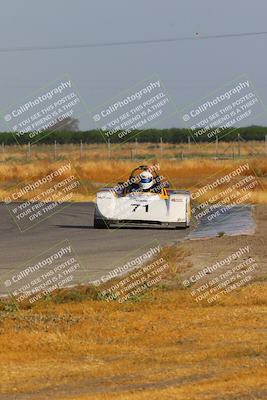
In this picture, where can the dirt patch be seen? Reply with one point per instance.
(205, 252)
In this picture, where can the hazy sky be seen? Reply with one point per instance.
(189, 69)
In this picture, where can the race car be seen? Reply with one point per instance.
(144, 199)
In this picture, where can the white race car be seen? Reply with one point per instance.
(126, 204)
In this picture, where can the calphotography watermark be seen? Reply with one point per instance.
(135, 276)
(224, 276)
(141, 107)
(55, 269)
(223, 111)
(53, 107)
(221, 193)
(127, 201)
(42, 196)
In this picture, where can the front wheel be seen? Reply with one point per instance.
(100, 223)
(182, 225)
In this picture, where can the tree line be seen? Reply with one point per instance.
(172, 135)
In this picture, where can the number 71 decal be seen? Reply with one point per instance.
(135, 206)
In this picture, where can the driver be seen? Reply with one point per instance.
(146, 183)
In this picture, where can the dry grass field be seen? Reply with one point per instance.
(96, 167)
(164, 347)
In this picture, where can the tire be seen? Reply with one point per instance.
(179, 226)
(100, 224)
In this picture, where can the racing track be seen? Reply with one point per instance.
(97, 249)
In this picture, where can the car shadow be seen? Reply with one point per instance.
(75, 226)
(121, 227)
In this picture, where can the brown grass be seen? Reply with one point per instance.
(167, 347)
(95, 168)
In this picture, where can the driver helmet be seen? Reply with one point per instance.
(146, 180)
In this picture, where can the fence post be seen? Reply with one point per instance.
(109, 149)
(161, 147)
(55, 150)
(238, 142)
(189, 144)
(29, 150)
(81, 150)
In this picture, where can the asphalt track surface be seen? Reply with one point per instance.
(98, 250)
